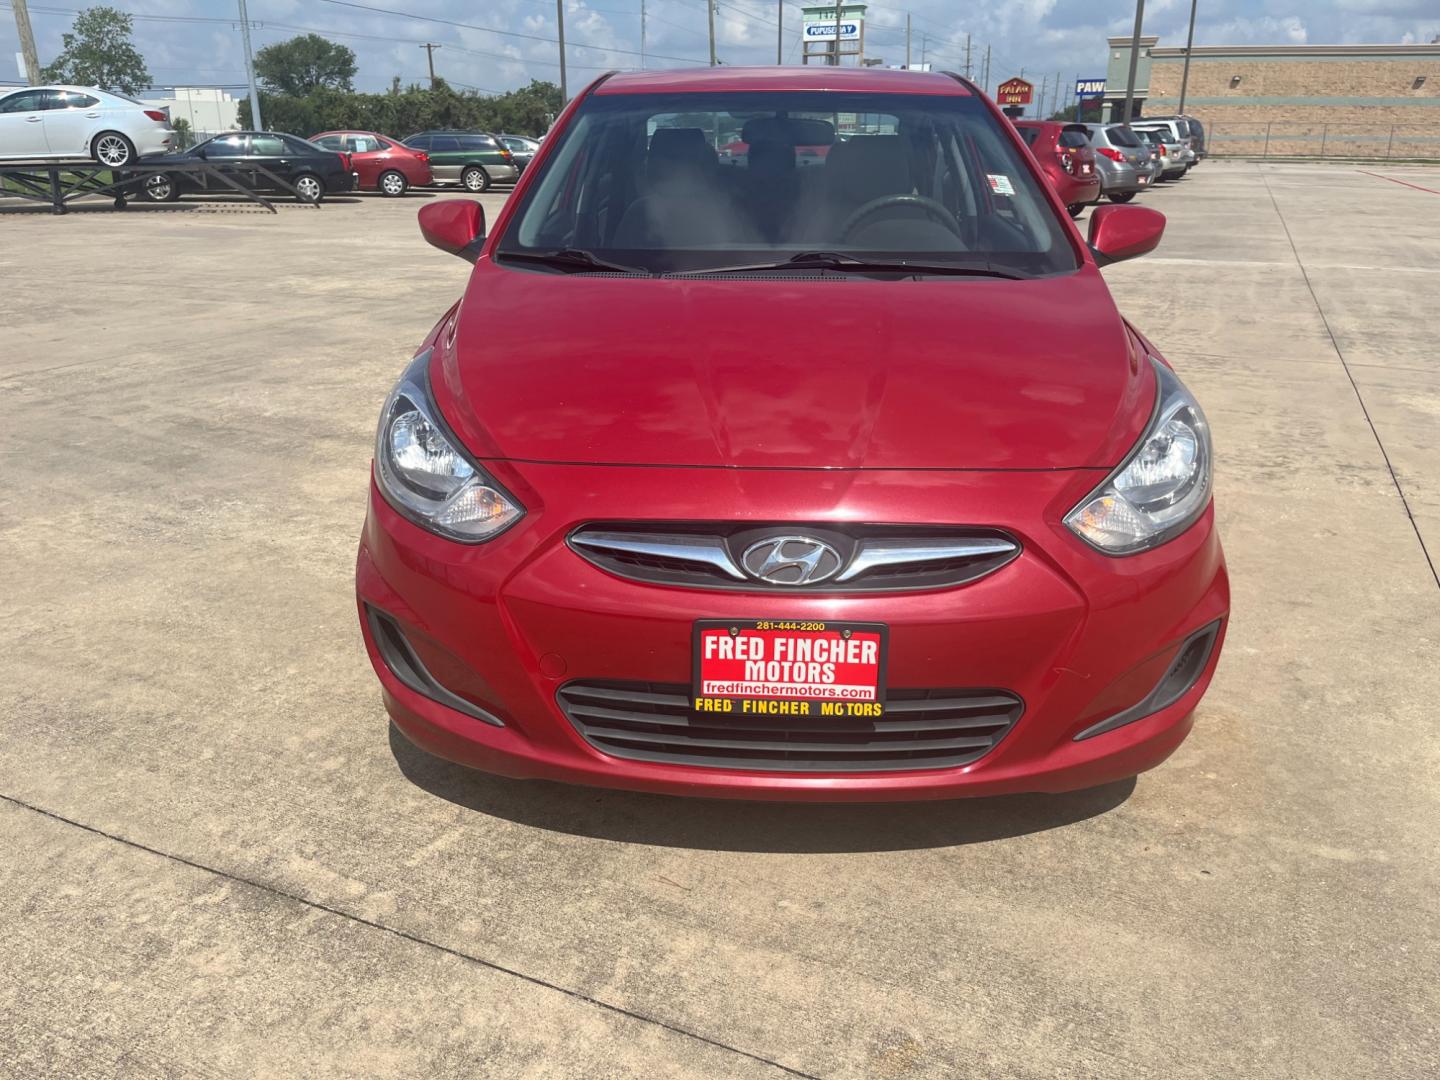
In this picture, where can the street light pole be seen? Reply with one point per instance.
(1134, 59)
(256, 124)
(560, 26)
(1185, 75)
(837, 32)
(710, 14)
(779, 31)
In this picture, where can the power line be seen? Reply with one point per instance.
(502, 33)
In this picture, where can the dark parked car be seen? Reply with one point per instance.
(472, 159)
(312, 171)
(524, 149)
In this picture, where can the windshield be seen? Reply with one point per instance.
(692, 182)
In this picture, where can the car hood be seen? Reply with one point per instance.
(785, 373)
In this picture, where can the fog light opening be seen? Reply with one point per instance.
(1184, 671)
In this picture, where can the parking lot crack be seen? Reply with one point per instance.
(406, 935)
(1354, 386)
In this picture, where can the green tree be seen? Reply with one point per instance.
(99, 53)
(527, 111)
(304, 64)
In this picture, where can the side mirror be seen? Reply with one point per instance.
(1123, 232)
(202, 153)
(456, 226)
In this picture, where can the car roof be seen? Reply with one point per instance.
(8, 90)
(796, 77)
(349, 131)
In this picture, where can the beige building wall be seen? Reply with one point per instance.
(1304, 100)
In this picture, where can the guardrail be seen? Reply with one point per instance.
(62, 183)
(1289, 140)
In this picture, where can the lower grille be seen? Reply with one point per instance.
(921, 729)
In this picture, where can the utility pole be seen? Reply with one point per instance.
(967, 56)
(642, 35)
(256, 124)
(907, 41)
(1055, 97)
(985, 86)
(560, 26)
(1185, 75)
(430, 48)
(1134, 59)
(1040, 100)
(924, 47)
(838, 8)
(27, 42)
(779, 31)
(710, 14)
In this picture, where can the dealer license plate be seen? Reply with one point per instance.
(767, 667)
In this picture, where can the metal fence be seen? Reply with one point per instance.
(1370, 141)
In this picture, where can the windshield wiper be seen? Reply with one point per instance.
(574, 260)
(834, 260)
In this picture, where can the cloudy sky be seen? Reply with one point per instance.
(505, 43)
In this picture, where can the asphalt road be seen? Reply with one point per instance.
(215, 861)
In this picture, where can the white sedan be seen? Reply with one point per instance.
(73, 122)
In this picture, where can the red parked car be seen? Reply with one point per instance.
(840, 482)
(380, 163)
(1066, 158)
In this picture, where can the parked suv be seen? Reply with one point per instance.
(1175, 157)
(1122, 159)
(1066, 158)
(473, 159)
(711, 528)
(70, 122)
(1182, 129)
(379, 164)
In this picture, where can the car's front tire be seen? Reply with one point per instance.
(161, 188)
(310, 187)
(113, 149)
(393, 183)
(475, 179)
(1121, 197)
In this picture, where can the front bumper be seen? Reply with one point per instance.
(1078, 636)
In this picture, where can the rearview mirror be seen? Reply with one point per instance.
(1123, 232)
(456, 226)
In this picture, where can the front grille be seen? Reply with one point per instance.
(871, 558)
(921, 729)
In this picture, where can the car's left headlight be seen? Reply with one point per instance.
(1162, 487)
(423, 473)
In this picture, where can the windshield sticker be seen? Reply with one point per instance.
(1000, 184)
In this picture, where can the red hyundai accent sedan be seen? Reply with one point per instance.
(380, 164)
(844, 482)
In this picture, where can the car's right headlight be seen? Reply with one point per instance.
(1162, 488)
(422, 472)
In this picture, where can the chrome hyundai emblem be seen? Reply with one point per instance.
(791, 560)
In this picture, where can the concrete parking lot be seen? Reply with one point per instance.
(215, 859)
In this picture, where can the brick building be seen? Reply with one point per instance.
(1281, 100)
